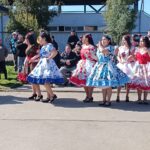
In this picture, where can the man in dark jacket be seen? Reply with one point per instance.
(73, 39)
(68, 62)
(21, 52)
(3, 55)
(57, 57)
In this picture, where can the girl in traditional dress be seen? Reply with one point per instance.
(29, 65)
(84, 66)
(141, 78)
(124, 53)
(105, 74)
(46, 71)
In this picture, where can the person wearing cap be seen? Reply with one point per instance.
(73, 39)
(3, 55)
(12, 44)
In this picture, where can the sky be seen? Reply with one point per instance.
(80, 8)
(146, 6)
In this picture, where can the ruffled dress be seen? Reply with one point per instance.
(84, 66)
(46, 71)
(105, 73)
(124, 65)
(141, 78)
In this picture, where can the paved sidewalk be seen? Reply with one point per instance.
(69, 124)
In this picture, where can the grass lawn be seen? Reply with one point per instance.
(11, 82)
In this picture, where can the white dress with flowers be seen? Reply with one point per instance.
(46, 71)
(123, 64)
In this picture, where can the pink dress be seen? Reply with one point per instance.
(84, 66)
(141, 78)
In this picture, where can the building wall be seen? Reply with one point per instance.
(145, 23)
(62, 37)
(80, 20)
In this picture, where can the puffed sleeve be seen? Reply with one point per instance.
(92, 53)
(50, 47)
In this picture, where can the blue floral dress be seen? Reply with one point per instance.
(46, 71)
(105, 73)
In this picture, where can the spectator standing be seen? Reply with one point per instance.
(21, 52)
(57, 57)
(73, 39)
(54, 43)
(148, 34)
(3, 55)
(13, 42)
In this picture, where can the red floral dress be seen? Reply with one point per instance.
(84, 66)
(141, 78)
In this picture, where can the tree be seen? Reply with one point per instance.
(25, 14)
(120, 18)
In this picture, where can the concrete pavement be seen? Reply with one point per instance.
(69, 124)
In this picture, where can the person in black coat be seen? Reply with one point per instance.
(73, 39)
(68, 62)
(21, 52)
(57, 57)
(3, 55)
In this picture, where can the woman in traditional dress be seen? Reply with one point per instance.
(46, 71)
(84, 66)
(141, 78)
(124, 52)
(105, 74)
(29, 64)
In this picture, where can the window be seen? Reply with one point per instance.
(53, 28)
(80, 28)
(90, 28)
(61, 28)
(67, 28)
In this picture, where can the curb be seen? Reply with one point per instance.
(75, 90)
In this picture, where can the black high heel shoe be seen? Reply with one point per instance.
(49, 100)
(39, 98)
(118, 99)
(53, 98)
(127, 99)
(46, 100)
(32, 97)
(88, 100)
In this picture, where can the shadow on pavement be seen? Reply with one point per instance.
(5, 100)
(74, 103)
(131, 106)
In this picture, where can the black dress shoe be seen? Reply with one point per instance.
(88, 100)
(53, 98)
(107, 104)
(145, 102)
(33, 97)
(127, 99)
(39, 98)
(102, 103)
(118, 99)
(46, 100)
